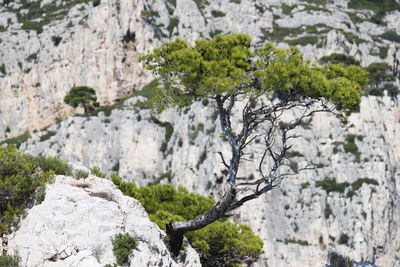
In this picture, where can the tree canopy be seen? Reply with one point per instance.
(82, 96)
(227, 65)
(219, 244)
(228, 70)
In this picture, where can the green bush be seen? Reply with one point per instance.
(22, 182)
(330, 185)
(123, 244)
(337, 260)
(380, 79)
(343, 239)
(359, 182)
(17, 141)
(96, 171)
(53, 164)
(47, 136)
(81, 174)
(9, 261)
(220, 244)
(226, 244)
(328, 211)
(217, 14)
(339, 59)
(3, 69)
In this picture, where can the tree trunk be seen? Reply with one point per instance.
(176, 230)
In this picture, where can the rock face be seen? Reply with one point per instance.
(76, 222)
(96, 43)
(300, 221)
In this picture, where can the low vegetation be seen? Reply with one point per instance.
(7, 260)
(22, 181)
(123, 244)
(219, 244)
(337, 260)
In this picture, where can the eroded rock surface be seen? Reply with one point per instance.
(76, 222)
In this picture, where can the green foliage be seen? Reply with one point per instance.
(47, 136)
(217, 14)
(343, 239)
(219, 244)
(22, 182)
(173, 23)
(201, 4)
(359, 182)
(17, 141)
(36, 16)
(328, 211)
(167, 198)
(81, 174)
(391, 36)
(223, 65)
(304, 40)
(7, 260)
(169, 130)
(380, 79)
(96, 171)
(296, 241)
(226, 244)
(339, 59)
(330, 185)
(337, 260)
(202, 158)
(379, 7)
(3, 69)
(305, 185)
(351, 37)
(123, 244)
(57, 165)
(82, 96)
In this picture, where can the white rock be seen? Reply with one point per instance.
(76, 222)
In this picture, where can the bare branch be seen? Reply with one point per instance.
(223, 160)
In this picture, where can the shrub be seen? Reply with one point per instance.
(217, 14)
(81, 174)
(337, 260)
(328, 211)
(226, 244)
(53, 164)
(220, 244)
(9, 261)
(339, 58)
(17, 141)
(96, 171)
(391, 36)
(123, 244)
(47, 136)
(380, 79)
(343, 239)
(56, 40)
(3, 69)
(330, 185)
(22, 182)
(359, 182)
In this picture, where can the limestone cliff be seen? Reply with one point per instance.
(50, 46)
(76, 222)
(302, 219)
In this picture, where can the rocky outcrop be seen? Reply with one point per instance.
(76, 222)
(96, 43)
(301, 220)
